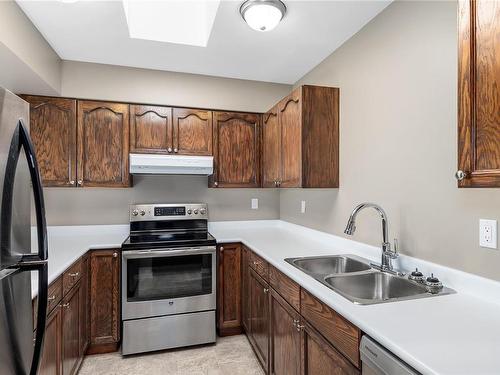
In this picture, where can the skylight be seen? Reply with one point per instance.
(174, 21)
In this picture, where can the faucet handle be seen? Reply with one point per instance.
(393, 254)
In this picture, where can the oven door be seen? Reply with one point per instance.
(168, 281)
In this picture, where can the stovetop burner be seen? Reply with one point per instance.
(168, 226)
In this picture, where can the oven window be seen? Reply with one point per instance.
(169, 277)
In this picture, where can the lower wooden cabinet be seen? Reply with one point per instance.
(104, 301)
(84, 306)
(285, 337)
(229, 289)
(245, 288)
(259, 318)
(71, 355)
(319, 357)
(51, 363)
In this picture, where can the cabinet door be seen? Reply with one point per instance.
(290, 118)
(479, 93)
(84, 307)
(285, 337)
(245, 289)
(260, 318)
(53, 131)
(321, 358)
(150, 129)
(104, 301)
(271, 149)
(236, 150)
(71, 330)
(229, 293)
(52, 346)
(103, 144)
(192, 132)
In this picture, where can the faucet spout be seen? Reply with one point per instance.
(387, 254)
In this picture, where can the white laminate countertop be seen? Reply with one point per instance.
(68, 243)
(453, 334)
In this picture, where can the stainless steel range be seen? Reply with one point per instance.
(168, 278)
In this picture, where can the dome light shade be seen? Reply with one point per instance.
(262, 15)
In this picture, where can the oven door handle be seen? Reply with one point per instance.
(130, 254)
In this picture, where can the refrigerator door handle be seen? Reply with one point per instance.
(41, 318)
(36, 181)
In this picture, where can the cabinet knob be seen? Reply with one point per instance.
(169, 149)
(266, 290)
(216, 184)
(74, 274)
(299, 327)
(176, 151)
(80, 182)
(72, 182)
(115, 255)
(65, 305)
(221, 249)
(460, 175)
(51, 298)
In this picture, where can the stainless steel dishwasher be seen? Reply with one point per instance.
(377, 360)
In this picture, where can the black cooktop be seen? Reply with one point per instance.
(168, 239)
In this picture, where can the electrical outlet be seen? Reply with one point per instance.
(255, 204)
(488, 233)
(303, 207)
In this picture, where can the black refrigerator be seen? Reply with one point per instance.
(20, 185)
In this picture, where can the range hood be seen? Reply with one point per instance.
(171, 164)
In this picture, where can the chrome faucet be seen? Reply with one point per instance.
(387, 254)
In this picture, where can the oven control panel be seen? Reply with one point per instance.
(148, 212)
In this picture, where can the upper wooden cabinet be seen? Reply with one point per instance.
(236, 150)
(192, 132)
(306, 131)
(150, 129)
(103, 144)
(479, 94)
(53, 132)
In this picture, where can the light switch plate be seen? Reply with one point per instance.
(255, 203)
(488, 233)
(303, 207)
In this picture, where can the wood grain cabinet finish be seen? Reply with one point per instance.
(71, 355)
(285, 337)
(245, 288)
(103, 144)
(479, 93)
(236, 140)
(260, 318)
(84, 306)
(192, 130)
(51, 362)
(319, 357)
(53, 132)
(150, 129)
(229, 289)
(104, 301)
(307, 133)
(271, 148)
(286, 287)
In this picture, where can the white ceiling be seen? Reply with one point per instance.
(96, 31)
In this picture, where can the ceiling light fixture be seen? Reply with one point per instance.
(263, 15)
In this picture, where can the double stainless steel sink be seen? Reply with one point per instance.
(354, 278)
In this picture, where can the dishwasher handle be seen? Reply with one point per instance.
(379, 361)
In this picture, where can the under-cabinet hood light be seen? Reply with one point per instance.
(263, 15)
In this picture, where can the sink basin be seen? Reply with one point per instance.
(375, 287)
(328, 265)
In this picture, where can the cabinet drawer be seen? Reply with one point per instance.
(71, 276)
(55, 294)
(259, 265)
(286, 287)
(342, 334)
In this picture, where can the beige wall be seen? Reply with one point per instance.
(28, 63)
(110, 206)
(398, 93)
(108, 82)
(106, 206)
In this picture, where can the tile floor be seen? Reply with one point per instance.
(230, 356)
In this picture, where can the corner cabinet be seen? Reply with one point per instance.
(300, 140)
(236, 140)
(478, 94)
(103, 144)
(53, 132)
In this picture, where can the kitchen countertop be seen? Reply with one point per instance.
(452, 334)
(68, 243)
